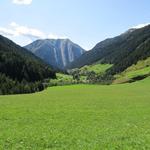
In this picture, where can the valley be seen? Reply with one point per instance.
(74, 75)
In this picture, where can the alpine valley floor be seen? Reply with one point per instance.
(78, 117)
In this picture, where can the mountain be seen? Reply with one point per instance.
(121, 51)
(19, 67)
(58, 53)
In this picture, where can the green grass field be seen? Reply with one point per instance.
(78, 117)
(97, 68)
(140, 69)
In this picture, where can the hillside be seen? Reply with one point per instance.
(135, 72)
(90, 73)
(97, 68)
(17, 66)
(121, 51)
(58, 53)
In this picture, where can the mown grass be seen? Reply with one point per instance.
(78, 117)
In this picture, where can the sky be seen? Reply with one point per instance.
(85, 22)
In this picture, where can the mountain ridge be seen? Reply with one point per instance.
(56, 52)
(122, 50)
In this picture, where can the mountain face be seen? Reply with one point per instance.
(58, 53)
(121, 51)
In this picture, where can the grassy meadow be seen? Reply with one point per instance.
(97, 68)
(78, 117)
(142, 68)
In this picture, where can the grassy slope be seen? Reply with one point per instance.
(97, 68)
(79, 117)
(140, 69)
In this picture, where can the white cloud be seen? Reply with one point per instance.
(26, 31)
(6, 31)
(15, 31)
(141, 25)
(22, 2)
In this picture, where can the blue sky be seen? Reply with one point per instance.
(85, 22)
